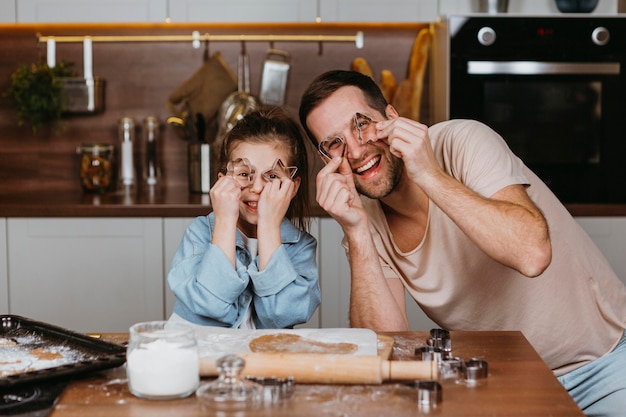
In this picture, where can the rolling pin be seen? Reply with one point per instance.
(322, 368)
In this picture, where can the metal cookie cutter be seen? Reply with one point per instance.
(429, 353)
(275, 389)
(429, 393)
(440, 338)
(475, 371)
(452, 368)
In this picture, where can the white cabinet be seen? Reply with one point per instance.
(4, 271)
(335, 276)
(90, 11)
(378, 11)
(7, 11)
(609, 234)
(528, 7)
(86, 274)
(220, 11)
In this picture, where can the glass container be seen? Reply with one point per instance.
(162, 360)
(96, 166)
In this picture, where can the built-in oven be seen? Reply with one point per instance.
(553, 87)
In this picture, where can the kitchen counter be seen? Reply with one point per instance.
(161, 202)
(519, 383)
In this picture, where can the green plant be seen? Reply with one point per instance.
(36, 93)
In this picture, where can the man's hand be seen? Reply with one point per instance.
(337, 194)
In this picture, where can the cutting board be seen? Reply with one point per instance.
(216, 342)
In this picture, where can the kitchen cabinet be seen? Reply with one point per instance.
(90, 11)
(449, 7)
(139, 11)
(86, 274)
(4, 271)
(7, 11)
(335, 282)
(377, 11)
(220, 11)
(609, 234)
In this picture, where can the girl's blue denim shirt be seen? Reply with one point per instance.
(210, 292)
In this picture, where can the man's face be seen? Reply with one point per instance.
(376, 171)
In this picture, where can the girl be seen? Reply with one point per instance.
(251, 262)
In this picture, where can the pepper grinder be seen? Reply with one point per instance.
(150, 166)
(127, 136)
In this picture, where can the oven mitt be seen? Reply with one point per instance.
(205, 90)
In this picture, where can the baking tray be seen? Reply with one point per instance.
(34, 351)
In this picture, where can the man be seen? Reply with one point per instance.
(450, 214)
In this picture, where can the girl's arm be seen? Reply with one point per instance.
(203, 279)
(287, 291)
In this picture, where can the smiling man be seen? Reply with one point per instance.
(451, 215)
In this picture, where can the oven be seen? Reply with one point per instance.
(553, 87)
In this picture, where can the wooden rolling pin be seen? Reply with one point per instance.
(322, 368)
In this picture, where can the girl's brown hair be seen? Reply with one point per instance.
(271, 124)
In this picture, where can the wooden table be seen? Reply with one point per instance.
(519, 384)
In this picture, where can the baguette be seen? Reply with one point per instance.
(360, 65)
(417, 70)
(388, 84)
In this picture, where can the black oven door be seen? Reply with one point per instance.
(562, 114)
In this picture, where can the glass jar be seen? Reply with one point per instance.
(96, 166)
(162, 360)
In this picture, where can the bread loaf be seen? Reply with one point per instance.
(360, 65)
(408, 97)
(417, 70)
(388, 84)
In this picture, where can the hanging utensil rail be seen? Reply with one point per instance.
(196, 38)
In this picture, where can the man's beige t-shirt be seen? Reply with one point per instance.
(572, 313)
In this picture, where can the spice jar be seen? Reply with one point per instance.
(162, 360)
(96, 166)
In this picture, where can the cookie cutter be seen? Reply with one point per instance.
(440, 338)
(275, 389)
(452, 368)
(475, 371)
(429, 393)
(429, 353)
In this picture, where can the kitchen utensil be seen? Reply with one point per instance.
(82, 95)
(274, 77)
(241, 102)
(72, 353)
(199, 157)
(321, 368)
(205, 90)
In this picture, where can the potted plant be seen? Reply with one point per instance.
(36, 93)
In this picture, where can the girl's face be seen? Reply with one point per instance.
(261, 156)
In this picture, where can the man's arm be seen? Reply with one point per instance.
(375, 302)
(507, 226)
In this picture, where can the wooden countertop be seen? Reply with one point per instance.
(163, 202)
(519, 384)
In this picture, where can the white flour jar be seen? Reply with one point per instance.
(162, 360)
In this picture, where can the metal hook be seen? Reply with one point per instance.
(271, 44)
(243, 47)
(205, 56)
(320, 48)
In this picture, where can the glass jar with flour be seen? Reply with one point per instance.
(162, 360)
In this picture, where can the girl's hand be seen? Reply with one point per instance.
(274, 201)
(225, 196)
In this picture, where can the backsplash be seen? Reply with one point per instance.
(140, 76)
